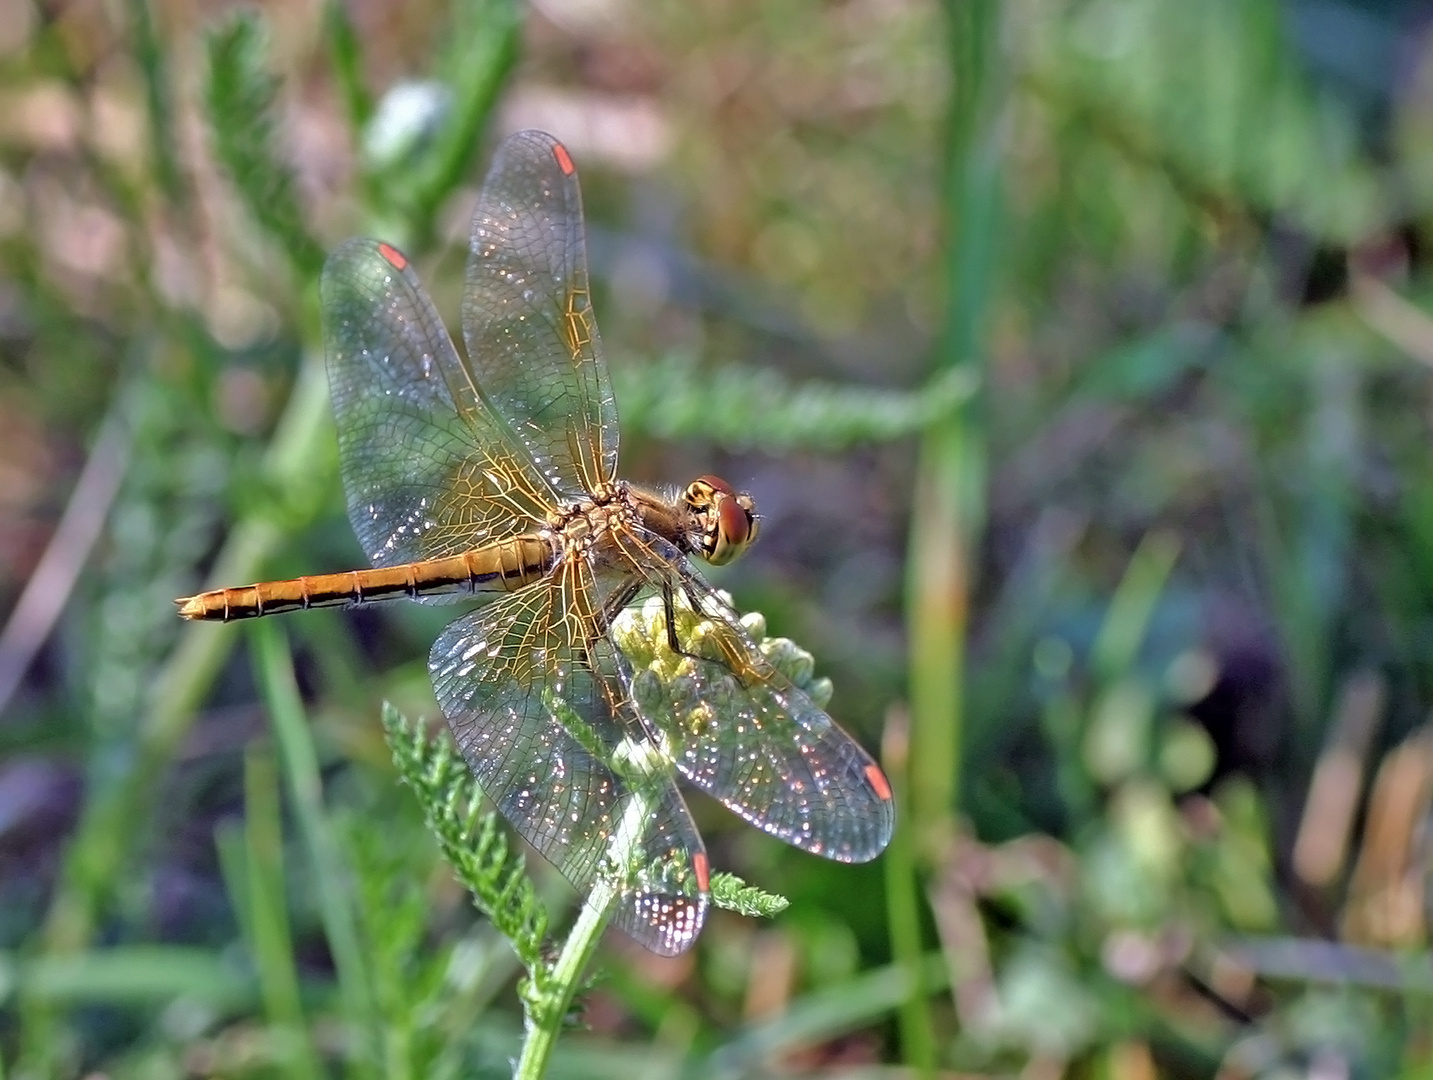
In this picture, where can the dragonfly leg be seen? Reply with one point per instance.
(729, 659)
(610, 610)
(615, 603)
(669, 605)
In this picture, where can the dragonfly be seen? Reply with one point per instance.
(493, 479)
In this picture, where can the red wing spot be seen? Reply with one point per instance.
(877, 780)
(394, 256)
(564, 160)
(702, 869)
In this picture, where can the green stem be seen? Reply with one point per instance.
(1126, 623)
(479, 76)
(949, 507)
(268, 922)
(552, 990)
(903, 914)
(345, 54)
(946, 515)
(300, 763)
(949, 510)
(150, 52)
(545, 1018)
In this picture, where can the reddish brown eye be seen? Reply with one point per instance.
(731, 527)
(724, 521)
(733, 522)
(716, 483)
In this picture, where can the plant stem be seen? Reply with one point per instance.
(949, 507)
(903, 908)
(274, 668)
(545, 1019)
(270, 938)
(552, 989)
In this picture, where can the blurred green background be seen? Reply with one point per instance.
(1079, 356)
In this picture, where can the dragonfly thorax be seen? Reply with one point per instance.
(710, 519)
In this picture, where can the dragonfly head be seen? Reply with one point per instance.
(723, 519)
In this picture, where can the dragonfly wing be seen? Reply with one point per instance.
(740, 730)
(527, 315)
(576, 779)
(429, 471)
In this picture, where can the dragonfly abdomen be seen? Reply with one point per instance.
(500, 567)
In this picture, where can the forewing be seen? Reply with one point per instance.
(738, 728)
(579, 782)
(429, 471)
(527, 315)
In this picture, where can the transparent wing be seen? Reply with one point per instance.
(429, 471)
(527, 316)
(738, 728)
(576, 779)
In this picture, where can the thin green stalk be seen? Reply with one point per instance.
(949, 508)
(1126, 624)
(903, 911)
(544, 1019)
(950, 485)
(274, 668)
(938, 589)
(545, 1005)
(114, 815)
(268, 921)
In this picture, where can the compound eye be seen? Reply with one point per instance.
(732, 529)
(724, 521)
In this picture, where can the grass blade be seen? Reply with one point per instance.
(275, 672)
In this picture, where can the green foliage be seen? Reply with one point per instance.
(131, 975)
(1204, 93)
(475, 845)
(478, 49)
(324, 850)
(733, 894)
(252, 860)
(241, 100)
(346, 53)
(743, 407)
(149, 52)
(1144, 289)
(472, 841)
